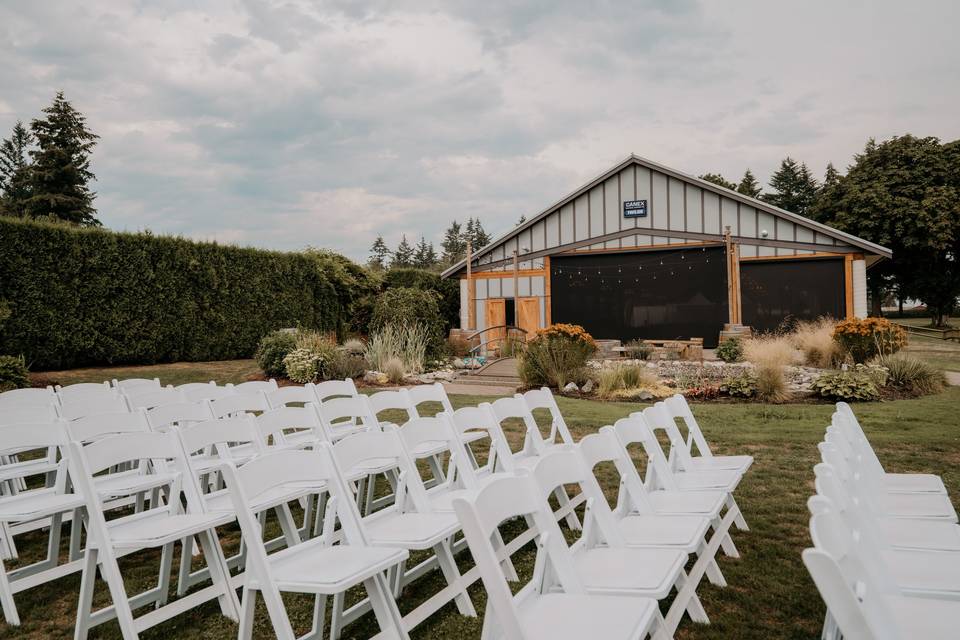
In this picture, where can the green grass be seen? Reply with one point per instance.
(769, 594)
(944, 354)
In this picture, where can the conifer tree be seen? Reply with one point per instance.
(424, 257)
(403, 256)
(60, 175)
(379, 254)
(719, 180)
(15, 171)
(480, 237)
(748, 185)
(794, 187)
(454, 244)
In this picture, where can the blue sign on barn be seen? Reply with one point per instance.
(635, 209)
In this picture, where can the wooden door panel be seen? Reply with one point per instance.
(496, 315)
(528, 314)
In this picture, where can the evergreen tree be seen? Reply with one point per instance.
(379, 254)
(522, 219)
(831, 177)
(15, 171)
(795, 188)
(748, 185)
(61, 173)
(454, 244)
(719, 180)
(424, 257)
(403, 256)
(480, 237)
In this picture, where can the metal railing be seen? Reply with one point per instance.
(519, 335)
(930, 332)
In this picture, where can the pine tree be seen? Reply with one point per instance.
(403, 256)
(379, 254)
(522, 219)
(719, 180)
(480, 237)
(748, 185)
(795, 188)
(15, 171)
(830, 177)
(454, 244)
(61, 172)
(424, 257)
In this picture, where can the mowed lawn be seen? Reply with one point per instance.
(769, 593)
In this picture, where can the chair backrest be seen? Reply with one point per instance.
(658, 418)
(136, 385)
(28, 436)
(437, 433)
(516, 409)
(506, 498)
(543, 398)
(604, 446)
(381, 449)
(74, 407)
(291, 395)
(165, 416)
(679, 408)
(28, 397)
(200, 391)
(429, 393)
(274, 425)
(101, 425)
(334, 388)
(231, 405)
(149, 397)
(255, 386)
(469, 420)
(218, 435)
(634, 430)
(14, 413)
(340, 411)
(859, 614)
(83, 388)
(398, 400)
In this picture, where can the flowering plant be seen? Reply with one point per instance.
(865, 338)
(556, 355)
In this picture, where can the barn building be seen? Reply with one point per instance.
(645, 251)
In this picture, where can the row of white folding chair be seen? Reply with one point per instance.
(873, 535)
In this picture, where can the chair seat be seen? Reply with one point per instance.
(925, 617)
(923, 571)
(429, 449)
(22, 468)
(31, 505)
(370, 467)
(700, 480)
(126, 483)
(473, 436)
(313, 568)
(411, 530)
(155, 530)
(913, 483)
(220, 501)
(684, 532)
(561, 616)
(646, 572)
(918, 505)
(932, 535)
(340, 431)
(705, 503)
(721, 463)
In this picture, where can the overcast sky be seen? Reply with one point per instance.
(289, 123)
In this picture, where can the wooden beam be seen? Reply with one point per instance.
(516, 288)
(471, 291)
(523, 273)
(848, 285)
(820, 255)
(547, 300)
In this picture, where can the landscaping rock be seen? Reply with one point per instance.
(645, 395)
(375, 377)
(571, 388)
(587, 386)
(458, 363)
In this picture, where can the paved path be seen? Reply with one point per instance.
(953, 378)
(477, 389)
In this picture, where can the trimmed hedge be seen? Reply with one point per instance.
(81, 296)
(448, 291)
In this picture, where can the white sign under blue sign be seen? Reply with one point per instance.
(635, 208)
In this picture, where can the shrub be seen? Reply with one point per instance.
(770, 353)
(853, 384)
(354, 347)
(912, 375)
(271, 351)
(407, 306)
(303, 365)
(556, 355)
(395, 370)
(345, 365)
(771, 385)
(638, 350)
(13, 373)
(457, 346)
(626, 381)
(85, 296)
(447, 290)
(730, 350)
(511, 347)
(814, 338)
(867, 338)
(741, 386)
(408, 343)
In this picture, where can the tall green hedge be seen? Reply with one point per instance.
(448, 291)
(89, 296)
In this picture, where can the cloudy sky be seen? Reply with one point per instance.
(283, 123)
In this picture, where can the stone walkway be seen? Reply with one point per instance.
(477, 389)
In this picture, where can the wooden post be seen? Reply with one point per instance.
(471, 290)
(733, 278)
(547, 313)
(516, 288)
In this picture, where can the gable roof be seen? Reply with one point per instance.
(760, 205)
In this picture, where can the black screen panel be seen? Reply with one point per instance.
(779, 291)
(656, 295)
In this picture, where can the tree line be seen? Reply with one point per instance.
(45, 168)
(904, 194)
(453, 248)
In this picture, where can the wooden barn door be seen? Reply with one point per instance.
(496, 316)
(528, 314)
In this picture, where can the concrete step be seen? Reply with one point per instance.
(491, 381)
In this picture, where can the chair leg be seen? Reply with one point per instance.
(739, 521)
(7, 605)
(85, 605)
(693, 605)
(247, 611)
(319, 616)
(186, 559)
(564, 501)
(288, 525)
(385, 609)
(76, 529)
(219, 574)
(163, 583)
(448, 566)
(336, 615)
(110, 571)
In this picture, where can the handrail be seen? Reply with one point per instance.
(507, 336)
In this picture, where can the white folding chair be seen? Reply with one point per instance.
(676, 407)
(158, 527)
(202, 391)
(237, 403)
(342, 417)
(47, 506)
(543, 398)
(555, 605)
(28, 397)
(81, 389)
(429, 393)
(165, 416)
(292, 395)
(149, 397)
(79, 406)
(254, 386)
(136, 385)
(603, 559)
(330, 389)
(290, 427)
(318, 567)
(407, 523)
(17, 413)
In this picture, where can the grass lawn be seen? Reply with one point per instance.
(769, 594)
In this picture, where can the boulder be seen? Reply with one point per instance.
(375, 377)
(645, 395)
(587, 386)
(571, 388)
